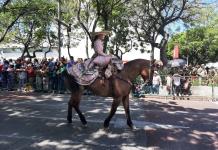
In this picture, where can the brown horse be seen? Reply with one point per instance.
(118, 86)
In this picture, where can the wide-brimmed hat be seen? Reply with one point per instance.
(93, 34)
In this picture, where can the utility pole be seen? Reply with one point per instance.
(59, 29)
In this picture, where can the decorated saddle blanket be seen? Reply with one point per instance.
(86, 76)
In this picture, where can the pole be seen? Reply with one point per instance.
(213, 90)
(59, 29)
(150, 67)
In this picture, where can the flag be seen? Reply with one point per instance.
(176, 52)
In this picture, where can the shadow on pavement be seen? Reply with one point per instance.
(38, 121)
(202, 125)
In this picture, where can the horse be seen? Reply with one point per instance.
(118, 87)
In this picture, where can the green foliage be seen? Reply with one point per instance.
(199, 44)
(31, 28)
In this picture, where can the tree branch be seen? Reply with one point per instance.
(10, 26)
(80, 22)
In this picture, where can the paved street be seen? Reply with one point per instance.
(38, 121)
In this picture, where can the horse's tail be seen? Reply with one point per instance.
(70, 82)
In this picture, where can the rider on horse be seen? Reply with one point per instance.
(100, 65)
(100, 58)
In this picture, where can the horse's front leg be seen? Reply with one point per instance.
(76, 103)
(114, 106)
(69, 112)
(125, 101)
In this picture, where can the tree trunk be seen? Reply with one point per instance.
(87, 46)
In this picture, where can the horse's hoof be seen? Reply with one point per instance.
(84, 122)
(106, 128)
(133, 127)
(69, 121)
(85, 126)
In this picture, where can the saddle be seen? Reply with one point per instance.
(108, 71)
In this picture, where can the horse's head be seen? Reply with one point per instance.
(157, 64)
(147, 72)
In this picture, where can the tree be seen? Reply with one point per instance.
(9, 15)
(199, 44)
(31, 30)
(121, 42)
(68, 22)
(152, 17)
(103, 12)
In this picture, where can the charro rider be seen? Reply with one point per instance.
(100, 58)
(100, 65)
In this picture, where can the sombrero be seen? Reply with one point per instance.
(93, 34)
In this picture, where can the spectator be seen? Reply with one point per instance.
(11, 77)
(61, 78)
(31, 76)
(156, 83)
(45, 78)
(202, 74)
(5, 74)
(22, 76)
(1, 78)
(169, 82)
(51, 75)
(176, 84)
(38, 79)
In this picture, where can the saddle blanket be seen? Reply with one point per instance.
(86, 76)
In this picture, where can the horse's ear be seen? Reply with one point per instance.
(153, 62)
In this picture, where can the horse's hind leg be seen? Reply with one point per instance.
(125, 101)
(114, 106)
(74, 102)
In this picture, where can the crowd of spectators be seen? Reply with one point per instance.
(46, 76)
(33, 75)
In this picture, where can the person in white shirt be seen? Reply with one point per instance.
(176, 84)
(156, 83)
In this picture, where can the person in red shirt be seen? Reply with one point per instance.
(30, 75)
